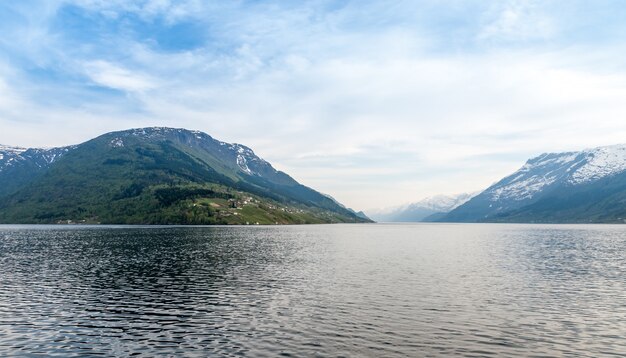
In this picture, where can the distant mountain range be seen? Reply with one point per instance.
(176, 176)
(573, 187)
(156, 176)
(426, 210)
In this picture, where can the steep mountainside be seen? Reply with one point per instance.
(423, 210)
(586, 186)
(19, 166)
(163, 175)
(360, 214)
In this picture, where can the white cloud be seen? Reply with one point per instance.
(518, 20)
(443, 115)
(172, 11)
(9, 101)
(375, 116)
(113, 76)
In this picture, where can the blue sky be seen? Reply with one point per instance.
(377, 103)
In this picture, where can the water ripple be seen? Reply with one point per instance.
(327, 291)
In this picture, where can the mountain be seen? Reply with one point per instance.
(359, 214)
(21, 165)
(428, 209)
(362, 215)
(585, 186)
(155, 176)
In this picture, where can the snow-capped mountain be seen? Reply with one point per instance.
(8, 150)
(158, 166)
(571, 167)
(443, 203)
(232, 156)
(41, 157)
(18, 165)
(549, 177)
(423, 210)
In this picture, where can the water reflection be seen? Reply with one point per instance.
(351, 290)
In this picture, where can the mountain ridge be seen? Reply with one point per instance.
(19, 165)
(555, 180)
(138, 171)
(421, 211)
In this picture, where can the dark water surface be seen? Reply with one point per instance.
(342, 290)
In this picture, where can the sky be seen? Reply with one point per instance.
(377, 103)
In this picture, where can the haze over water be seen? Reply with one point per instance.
(335, 290)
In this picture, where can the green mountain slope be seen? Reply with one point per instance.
(166, 176)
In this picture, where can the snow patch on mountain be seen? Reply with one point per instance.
(243, 158)
(522, 189)
(11, 149)
(443, 203)
(39, 157)
(117, 143)
(570, 168)
(151, 132)
(243, 155)
(243, 164)
(420, 210)
(246, 159)
(9, 155)
(600, 162)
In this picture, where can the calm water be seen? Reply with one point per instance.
(343, 290)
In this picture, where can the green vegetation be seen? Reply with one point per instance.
(180, 204)
(163, 180)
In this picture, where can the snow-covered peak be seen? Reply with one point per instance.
(9, 155)
(443, 203)
(242, 157)
(149, 132)
(10, 149)
(12, 157)
(599, 163)
(569, 168)
(438, 203)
